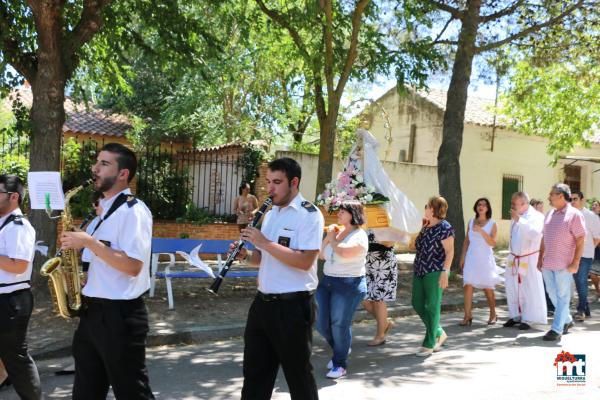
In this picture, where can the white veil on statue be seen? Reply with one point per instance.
(404, 216)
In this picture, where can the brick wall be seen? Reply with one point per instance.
(171, 229)
(260, 186)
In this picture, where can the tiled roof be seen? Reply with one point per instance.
(479, 111)
(82, 119)
(255, 143)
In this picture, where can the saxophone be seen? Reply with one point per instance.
(64, 270)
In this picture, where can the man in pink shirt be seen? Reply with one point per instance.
(560, 253)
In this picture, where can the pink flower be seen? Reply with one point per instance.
(352, 192)
(343, 181)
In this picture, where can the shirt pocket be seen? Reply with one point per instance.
(108, 235)
(287, 237)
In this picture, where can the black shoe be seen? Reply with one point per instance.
(567, 327)
(5, 383)
(510, 323)
(523, 326)
(551, 336)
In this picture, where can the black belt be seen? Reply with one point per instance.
(15, 292)
(14, 283)
(99, 300)
(284, 296)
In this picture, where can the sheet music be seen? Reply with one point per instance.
(42, 184)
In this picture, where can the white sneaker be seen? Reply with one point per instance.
(330, 363)
(424, 352)
(440, 341)
(336, 373)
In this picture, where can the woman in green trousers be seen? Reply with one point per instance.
(435, 249)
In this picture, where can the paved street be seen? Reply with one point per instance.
(477, 363)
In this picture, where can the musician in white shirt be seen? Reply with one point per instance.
(109, 343)
(17, 248)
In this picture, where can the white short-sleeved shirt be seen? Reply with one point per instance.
(592, 231)
(86, 254)
(128, 229)
(336, 265)
(17, 241)
(299, 226)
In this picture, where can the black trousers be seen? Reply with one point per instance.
(109, 348)
(15, 311)
(279, 332)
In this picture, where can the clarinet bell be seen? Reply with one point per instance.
(214, 287)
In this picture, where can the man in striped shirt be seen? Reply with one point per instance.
(560, 254)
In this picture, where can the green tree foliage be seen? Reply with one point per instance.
(554, 87)
(246, 90)
(163, 184)
(46, 41)
(14, 140)
(343, 40)
(475, 27)
(560, 102)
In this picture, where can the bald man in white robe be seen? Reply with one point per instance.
(523, 281)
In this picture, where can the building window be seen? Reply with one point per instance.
(510, 184)
(573, 177)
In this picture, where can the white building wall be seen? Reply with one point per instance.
(482, 170)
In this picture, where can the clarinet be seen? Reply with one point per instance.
(91, 215)
(214, 287)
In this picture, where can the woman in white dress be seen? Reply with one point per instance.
(477, 260)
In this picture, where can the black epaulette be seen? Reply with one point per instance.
(18, 220)
(310, 207)
(131, 201)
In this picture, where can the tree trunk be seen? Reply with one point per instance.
(327, 127)
(452, 133)
(47, 118)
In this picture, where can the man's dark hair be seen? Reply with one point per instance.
(578, 193)
(126, 158)
(13, 184)
(287, 165)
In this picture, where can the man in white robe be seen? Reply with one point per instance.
(523, 281)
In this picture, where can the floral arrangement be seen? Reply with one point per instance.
(349, 185)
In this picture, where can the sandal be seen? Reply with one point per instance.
(466, 322)
(390, 325)
(376, 342)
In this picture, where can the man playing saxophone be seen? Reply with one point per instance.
(17, 248)
(109, 343)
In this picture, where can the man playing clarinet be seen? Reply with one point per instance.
(280, 320)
